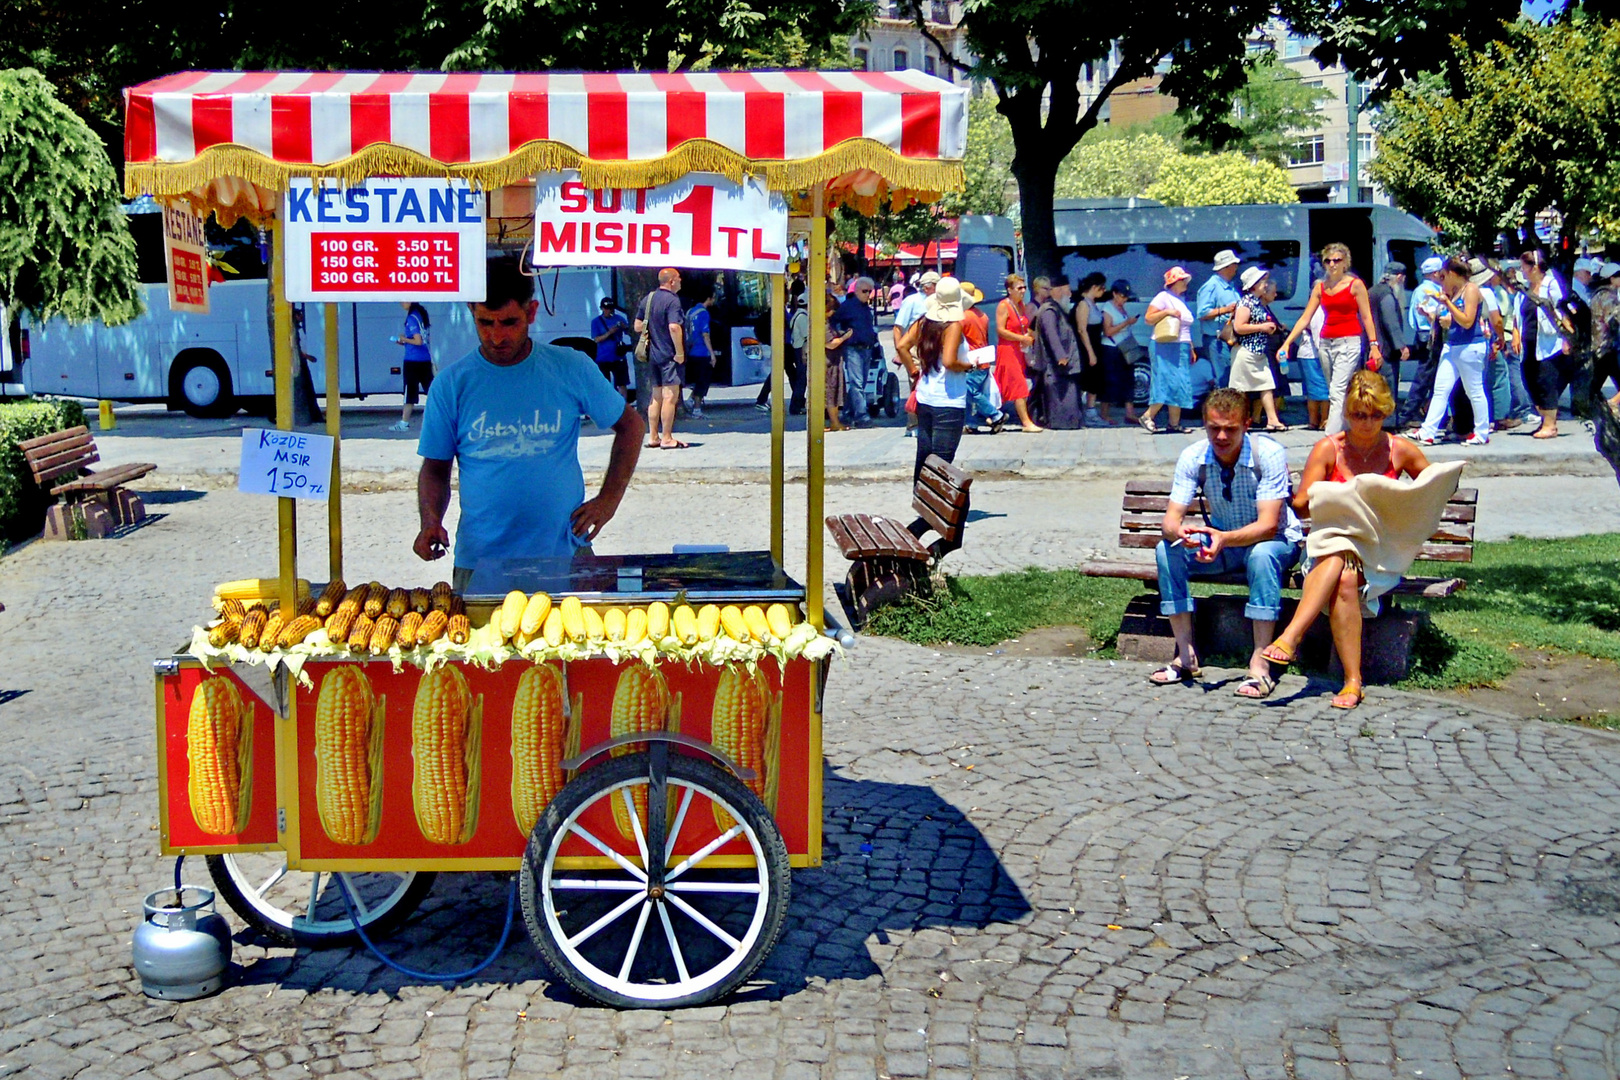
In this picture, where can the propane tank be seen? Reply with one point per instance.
(183, 948)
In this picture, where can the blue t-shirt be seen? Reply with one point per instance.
(413, 327)
(698, 320)
(514, 433)
(607, 352)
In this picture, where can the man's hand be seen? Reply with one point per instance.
(590, 516)
(1209, 548)
(431, 543)
(1406, 353)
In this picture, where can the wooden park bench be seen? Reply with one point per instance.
(1386, 641)
(888, 559)
(98, 496)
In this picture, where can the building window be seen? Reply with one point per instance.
(1364, 194)
(862, 60)
(1364, 144)
(1310, 150)
(1297, 45)
(902, 60)
(928, 64)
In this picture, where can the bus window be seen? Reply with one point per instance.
(987, 267)
(1143, 265)
(1411, 254)
(236, 247)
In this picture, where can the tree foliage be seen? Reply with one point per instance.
(1535, 130)
(1151, 166)
(988, 162)
(64, 246)
(1114, 168)
(1273, 105)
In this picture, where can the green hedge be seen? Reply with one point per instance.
(22, 503)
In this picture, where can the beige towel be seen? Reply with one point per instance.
(1383, 522)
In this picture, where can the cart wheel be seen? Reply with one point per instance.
(891, 396)
(307, 909)
(690, 935)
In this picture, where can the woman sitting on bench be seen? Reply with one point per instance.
(1339, 583)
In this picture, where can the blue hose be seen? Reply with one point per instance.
(177, 864)
(354, 917)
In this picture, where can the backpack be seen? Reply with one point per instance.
(689, 327)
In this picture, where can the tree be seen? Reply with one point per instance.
(988, 162)
(1220, 180)
(1032, 53)
(1272, 106)
(1114, 168)
(64, 247)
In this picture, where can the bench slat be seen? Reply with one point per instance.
(55, 436)
(76, 464)
(847, 546)
(946, 520)
(952, 476)
(1158, 504)
(934, 520)
(106, 480)
(900, 538)
(50, 453)
(941, 488)
(866, 545)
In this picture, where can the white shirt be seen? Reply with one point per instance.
(1548, 342)
(1169, 301)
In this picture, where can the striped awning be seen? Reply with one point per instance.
(863, 133)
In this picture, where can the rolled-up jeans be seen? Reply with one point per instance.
(1265, 564)
(857, 359)
(978, 399)
(1521, 405)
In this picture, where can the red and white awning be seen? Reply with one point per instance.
(620, 130)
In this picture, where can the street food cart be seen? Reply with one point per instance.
(329, 747)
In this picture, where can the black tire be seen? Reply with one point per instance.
(735, 963)
(200, 384)
(580, 345)
(394, 902)
(891, 396)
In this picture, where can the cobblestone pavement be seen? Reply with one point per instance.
(1071, 873)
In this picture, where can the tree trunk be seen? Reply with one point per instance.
(1037, 182)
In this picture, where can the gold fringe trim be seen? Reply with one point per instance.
(903, 179)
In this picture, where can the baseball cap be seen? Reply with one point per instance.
(1608, 270)
(1224, 258)
(1583, 263)
(1122, 287)
(1432, 265)
(1392, 268)
(608, 301)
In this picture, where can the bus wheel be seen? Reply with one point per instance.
(200, 383)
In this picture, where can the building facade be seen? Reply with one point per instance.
(893, 42)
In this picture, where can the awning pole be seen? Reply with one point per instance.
(816, 403)
(334, 428)
(286, 511)
(779, 359)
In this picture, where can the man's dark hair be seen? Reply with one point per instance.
(506, 282)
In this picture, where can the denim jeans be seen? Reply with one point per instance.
(857, 362)
(978, 400)
(1520, 403)
(1265, 563)
(1220, 358)
(939, 431)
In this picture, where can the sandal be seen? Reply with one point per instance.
(1147, 425)
(1276, 427)
(1349, 697)
(1256, 687)
(1278, 653)
(1173, 673)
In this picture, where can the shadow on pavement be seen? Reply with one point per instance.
(165, 498)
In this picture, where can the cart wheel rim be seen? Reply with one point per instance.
(286, 898)
(202, 385)
(656, 918)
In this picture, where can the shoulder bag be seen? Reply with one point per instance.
(644, 339)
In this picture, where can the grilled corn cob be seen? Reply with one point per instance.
(233, 609)
(510, 614)
(683, 624)
(397, 604)
(331, 597)
(349, 755)
(539, 733)
(305, 606)
(253, 627)
(440, 596)
(360, 633)
(445, 746)
(376, 597)
(640, 704)
(219, 757)
(408, 626)
(432, 628)
(534, 614)
(272, 631)
(382, 634)
(341, 622)
(573, 618)
(758, 626)
(595, 629)
(737, 727)
(224, 632)
(780, 619)
(635, 627)
(421, 601)
(613, 623)
(731, 617)
(296, 631)
(458, 629)
(658, 620)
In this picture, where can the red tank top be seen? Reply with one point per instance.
(1341, 311)
(1341, 470)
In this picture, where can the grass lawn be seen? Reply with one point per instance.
(1559, 595)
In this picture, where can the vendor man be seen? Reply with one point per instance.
(509, 414)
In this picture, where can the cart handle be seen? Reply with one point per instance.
(675, 737)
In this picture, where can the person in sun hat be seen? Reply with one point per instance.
(976, 339)
(1218, 300)
(932, 353)
(1173, 351)
(1254, 324)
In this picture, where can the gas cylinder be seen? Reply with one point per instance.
(182, 949)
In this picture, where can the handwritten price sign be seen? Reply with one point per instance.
(291, 464)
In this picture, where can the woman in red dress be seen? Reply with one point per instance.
(1012, 335)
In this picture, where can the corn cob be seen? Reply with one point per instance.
(376, 597)
(683, 624)
(553, 630)
(341, 622)
(349, 755)
(272, 631)
(397, 603)
(539, 733)
(640, 703)
(248, 589)
(458, 606)
(219, 757)
(758, 626)
(421, 601)
(773, 753)
(635, 627)
(737, 727)
(509, 616)
(408, 626)
(382, 634)
(708, 622)
(252, 627)
(360, 633)
(613, 623)
(731, 617)
(305, 606)
(232, 609)
(353, 600)
(445, 746)
(440, 596)
(224, 632)
(458, 629)
(595, 629)
(534, 614)
(331, 597)
(658, 620)
(296, 631)
(573, 617)
(780, 620)
(432, 628)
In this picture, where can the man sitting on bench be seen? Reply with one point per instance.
(1249, 526)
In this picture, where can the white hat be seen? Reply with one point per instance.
(1609, 270)
(1251, 277)
(1478, 272)
(1583, 263)
(946, 303)
(929, 278)
(1432, 265)
(1224, 258)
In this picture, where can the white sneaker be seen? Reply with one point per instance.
(401, 426)
(1475, 440)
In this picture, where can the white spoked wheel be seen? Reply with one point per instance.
(296, 908)
(669, 931)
